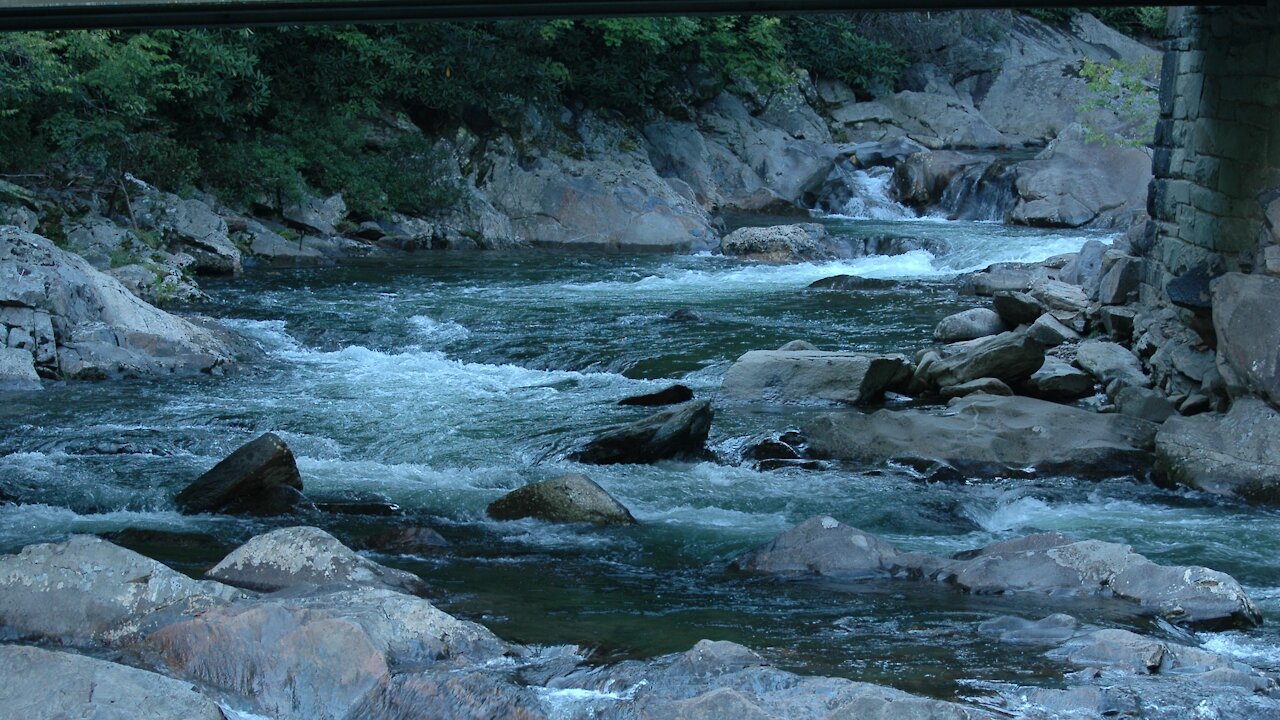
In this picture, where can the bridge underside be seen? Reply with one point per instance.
(66, 14)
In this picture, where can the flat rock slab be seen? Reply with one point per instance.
(1009, 357)
(571, 498)
(1236, 454)
(987, 436)
(260, 478)
(86, 591)
(1109, 362)
(780, 377)
(40, 684)
(678, 432)
(1045, 564)
(305, 556)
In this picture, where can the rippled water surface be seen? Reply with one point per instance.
(441, 383)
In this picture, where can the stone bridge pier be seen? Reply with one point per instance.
(1211, 272)
(1215, 200)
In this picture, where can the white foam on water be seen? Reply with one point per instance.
(1260, 652)
(871, 199)
(435, 333)
(20, 523)
(271, 334)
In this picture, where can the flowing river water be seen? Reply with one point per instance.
(443, 382)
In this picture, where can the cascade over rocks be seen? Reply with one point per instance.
(1045, 564)
(679, 432)
(77, 322)
(87, 591)
(260, 478)
(989, 436)
(571, 498)
(813, 377)
(305, 556)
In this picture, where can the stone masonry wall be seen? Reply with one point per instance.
(1215, 199)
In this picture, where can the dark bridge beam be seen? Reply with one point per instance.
(66, 14)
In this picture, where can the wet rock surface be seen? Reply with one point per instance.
(304, 555)
(812, 377)
(679, 432)
(1046, 564)
(1236, 454)
(88, 591)
(571, 498)
(259, 478)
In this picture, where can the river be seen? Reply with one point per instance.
(442, 382)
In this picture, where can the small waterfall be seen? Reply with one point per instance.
(983, 191)
(862, 194)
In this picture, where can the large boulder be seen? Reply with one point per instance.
(1246, 318)
(779, 243)
(1078, 183)
(1060, 381)
(1049, 564)
(678, 432)
(44, 684)
(317, 655)
(1016, 308)
(305, 556)
(612, 203)
(18, 370)
(315, 214)
(80, 323)
(989, 436)
(1010, 357)
(827, 547)
(571, 498)
(191, 226)
(968, 325)
(1236, 454)
(260, 478)
(717, 178)
(86, 590)
(813, 377)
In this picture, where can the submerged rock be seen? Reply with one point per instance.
(571, 498)
(86, 591)
(407, 541)
(260, 478)
(813, 377)
(678, 432)
(1236, 454)
(1045, 564)
(305, 556)
(669, 396)
(47, 684)
(986, 436)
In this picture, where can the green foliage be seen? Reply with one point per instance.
(1136, 21)
(273, 113)
(1123, 88)
(833, 46)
